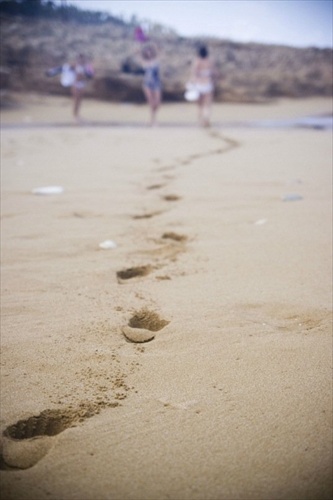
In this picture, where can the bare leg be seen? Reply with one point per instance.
(205, 103)
(156, 105)
(153, 98)
(77, 100)
(200, 109)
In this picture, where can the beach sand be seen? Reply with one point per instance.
(192, 360)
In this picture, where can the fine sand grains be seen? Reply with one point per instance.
(193, 357)
(28, 441)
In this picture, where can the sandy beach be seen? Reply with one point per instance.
(192, 359)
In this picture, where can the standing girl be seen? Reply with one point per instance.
(151, 83)
(82, 71)
(202, 76)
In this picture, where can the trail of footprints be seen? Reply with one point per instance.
(27, 441)
(144, 323)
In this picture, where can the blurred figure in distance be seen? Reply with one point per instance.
(152, 87)
(203, 75)
(83, 71)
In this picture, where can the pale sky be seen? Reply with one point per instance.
(299, 23)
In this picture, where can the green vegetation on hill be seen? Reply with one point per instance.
(49, 9)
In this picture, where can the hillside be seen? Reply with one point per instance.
(248, 72)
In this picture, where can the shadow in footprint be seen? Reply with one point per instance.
(155, 186)
(28, 441)
(134, 272)
(48, 423)
(171, 197)
(150, 320)
(148, 215)
(143, 325)
(174, 236)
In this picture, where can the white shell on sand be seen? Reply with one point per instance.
(260, 222)
(292, 197)
(48, 190)
(107, 244)
(138, 335)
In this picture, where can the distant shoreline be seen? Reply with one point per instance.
(322, 122)
(38, 112)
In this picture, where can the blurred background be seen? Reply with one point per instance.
(263, 49)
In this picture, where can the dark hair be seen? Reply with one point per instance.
(202, 51)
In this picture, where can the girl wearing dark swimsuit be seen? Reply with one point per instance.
(151, 82)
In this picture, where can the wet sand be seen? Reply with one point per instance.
(192, 359)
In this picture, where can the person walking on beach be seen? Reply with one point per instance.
(82, 72)
(202, 78)
(74, 75)
(152, 87)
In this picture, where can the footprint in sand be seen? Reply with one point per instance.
(168, 250)
(171, 244)
(166, 168)
(9, 216)
(27, 441)
(143, 325)
(133, 272)
(286, 318)
(155, 186)
(171, 197)
(148, 215)
(174, 236)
